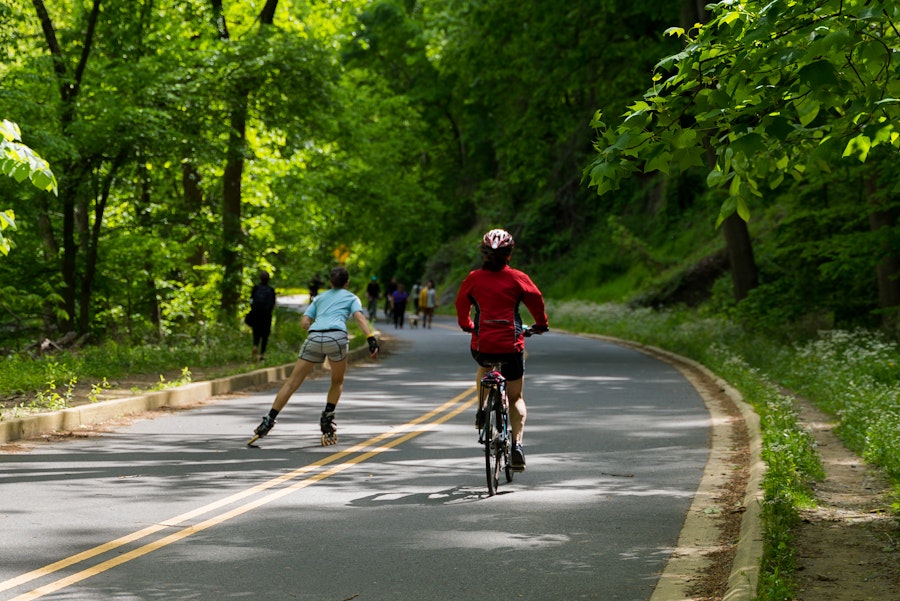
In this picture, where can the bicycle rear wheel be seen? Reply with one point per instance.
(493, 442)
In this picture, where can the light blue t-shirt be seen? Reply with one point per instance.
(331, 309)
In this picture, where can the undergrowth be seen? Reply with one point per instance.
(42, 383)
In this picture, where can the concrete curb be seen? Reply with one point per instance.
(181, 396)
(699, 534)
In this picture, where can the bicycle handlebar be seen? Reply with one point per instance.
(529, 331)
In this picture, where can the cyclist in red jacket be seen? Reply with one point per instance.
(487, 305)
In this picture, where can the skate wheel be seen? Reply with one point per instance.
(252, 440)
(329, 439)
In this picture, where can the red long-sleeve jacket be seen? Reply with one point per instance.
(496, 297)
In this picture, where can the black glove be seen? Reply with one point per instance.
(373, 345)
(540, 329)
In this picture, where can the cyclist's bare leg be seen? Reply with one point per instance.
(517, 409)
(478, 376)
(298, 375)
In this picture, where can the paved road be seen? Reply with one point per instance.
(178, 507)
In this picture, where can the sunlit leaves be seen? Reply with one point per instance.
(7, 220)
(20, 162)
(775, 87)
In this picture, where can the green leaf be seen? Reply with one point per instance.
(860, 146)
(775, 179)
(674, 31)
(43, 181)
(728, 207)
(7, 219)
(629, 143)
(660, 163)
(828, 151)
(729, 18)
(743, 210)
(10, 131)
(834, 41)
(807, 110)
(685, 138)
(734, 189)
(603, 176)
(820, 74)
(778, 126)
(748, 144)
(689, 157)
(715, 178)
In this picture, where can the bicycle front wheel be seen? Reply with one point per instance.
(493, 443)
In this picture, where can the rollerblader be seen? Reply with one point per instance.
(326, 320)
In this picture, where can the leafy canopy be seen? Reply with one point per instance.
(772, 88)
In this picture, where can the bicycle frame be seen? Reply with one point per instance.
(495, 431)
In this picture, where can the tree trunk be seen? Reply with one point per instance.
(233, 238)
(93, 246)
(739, 245)
(193, 201)
(69, 87)
(887, 269)
(232, 233)
(744, 274)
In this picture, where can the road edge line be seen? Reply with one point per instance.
(743, 579)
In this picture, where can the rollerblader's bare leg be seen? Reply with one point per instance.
(299, 373)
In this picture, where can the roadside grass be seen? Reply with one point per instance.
(853, 376)
(47, 382)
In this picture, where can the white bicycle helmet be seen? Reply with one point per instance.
(497, 239)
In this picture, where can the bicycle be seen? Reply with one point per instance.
(495, 433)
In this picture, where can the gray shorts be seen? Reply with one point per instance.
(333, 344)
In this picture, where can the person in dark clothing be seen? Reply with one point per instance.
(373, 293)
(314, 284)
(400, 297)
(262, 304)
(389, 290)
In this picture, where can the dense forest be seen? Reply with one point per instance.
(651, 153)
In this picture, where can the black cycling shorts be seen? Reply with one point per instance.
(512, 364)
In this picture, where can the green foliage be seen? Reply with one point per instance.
(854, 375)
(20, 162)
(47, 382)
(777, 89)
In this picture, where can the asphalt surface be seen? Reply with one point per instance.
(178, 507)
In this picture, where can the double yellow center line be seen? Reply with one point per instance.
(353, 455)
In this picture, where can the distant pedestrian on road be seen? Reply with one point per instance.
(414, 293)
(389, 290)
(314, 284)
(398, 302)
(428, 303)
(262, 304)
(373, 293)
(326, 320)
